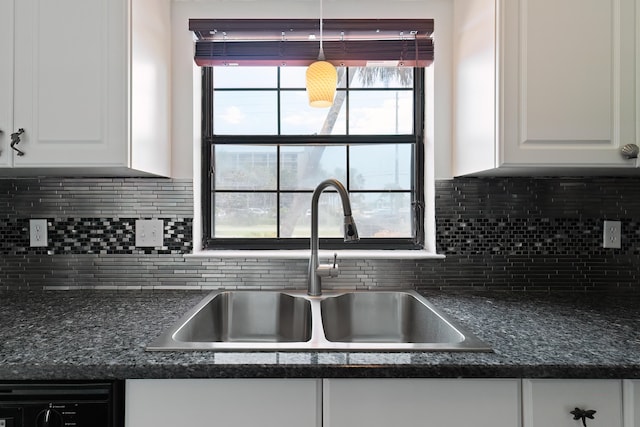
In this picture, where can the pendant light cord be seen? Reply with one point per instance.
(321, 54)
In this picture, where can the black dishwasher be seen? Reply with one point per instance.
(63, 404)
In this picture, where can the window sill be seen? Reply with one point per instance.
(304, 254)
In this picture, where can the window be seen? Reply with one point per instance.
(265, 150)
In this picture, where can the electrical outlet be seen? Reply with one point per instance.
(149, 232)
(611, 237)
(38, 233)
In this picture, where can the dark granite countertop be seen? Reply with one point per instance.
(57, 335)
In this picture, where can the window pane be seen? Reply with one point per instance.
(295, 218)
(384, 112)
(382, 214)
(245, 112)
(304, 167)
(298, 118)
(245, 167)
(248, 215)
(381, 77)
(295, 215)
(380, 167)
(293, 77)
(245, 77)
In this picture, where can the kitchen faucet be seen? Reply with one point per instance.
(316, 270)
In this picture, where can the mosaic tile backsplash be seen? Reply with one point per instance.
(523, 234)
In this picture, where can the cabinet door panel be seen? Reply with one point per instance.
(6, 81)
(549, 402)
(420, 402)
(222, 403)
(69, 67)
(555, 76)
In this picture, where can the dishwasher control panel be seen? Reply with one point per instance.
(60, 405)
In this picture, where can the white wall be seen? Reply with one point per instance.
(186, 122)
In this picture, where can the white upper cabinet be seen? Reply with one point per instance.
(545, 85)
(70, 81)
(6, 81)
(91, 86)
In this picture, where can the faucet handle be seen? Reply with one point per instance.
(334, 268)
(329, 270)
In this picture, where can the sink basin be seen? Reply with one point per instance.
(334, 321)
(250, 317)
(384, 317)
(241, 319)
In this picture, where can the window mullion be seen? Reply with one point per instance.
(207, 197)
(278, 190)
(278, 156)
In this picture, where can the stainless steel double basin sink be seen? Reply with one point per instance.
(334, 321)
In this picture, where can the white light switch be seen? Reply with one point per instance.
(149, 232)
(38, 233)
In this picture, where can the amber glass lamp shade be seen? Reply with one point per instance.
(322, 79)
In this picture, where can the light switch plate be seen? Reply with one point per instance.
(38, 233)
(149, 233)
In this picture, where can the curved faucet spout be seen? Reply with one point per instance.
(350, 234)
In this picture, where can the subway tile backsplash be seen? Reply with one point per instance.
(522, 234)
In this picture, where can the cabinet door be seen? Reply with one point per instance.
(6, 80)
(568, 82)
(631, 403)
(222, 403)
(421, 402)
(550, 402)
(70, 82)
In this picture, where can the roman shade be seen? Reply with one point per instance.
(294, 42)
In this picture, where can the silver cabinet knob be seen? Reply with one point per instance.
(630, 151)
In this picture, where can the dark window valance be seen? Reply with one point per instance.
(348, 42)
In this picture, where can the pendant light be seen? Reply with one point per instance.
(322, 78)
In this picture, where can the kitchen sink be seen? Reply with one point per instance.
(334, 321)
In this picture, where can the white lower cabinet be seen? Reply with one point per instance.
(323, 403)
(381, 402)
(222, 403)
(549, 403)
(631, 403)
(421, 402)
